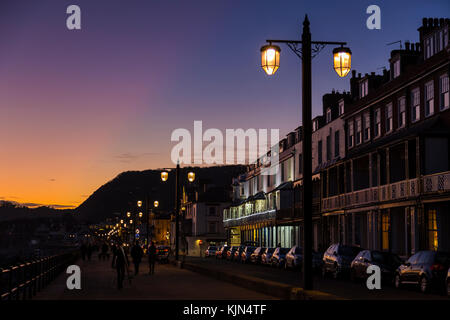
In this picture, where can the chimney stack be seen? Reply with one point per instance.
(430, 22)
(407, 45)
(424, 22)
(417, 46)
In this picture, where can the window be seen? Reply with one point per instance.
(212, 227)
(315, 125)
(363, 88)
(401, 112)
(389, 119)
(429, 47)
(329, 146)
(351, 134)
(300, 164)
(212, 211)
(432, 230)
(319, 151)
(443, 92)
(396, 68)
(429, 99)
(415, 105)
(336, 143)
(377, 116)
(358, 130)
(385, 231)
(366, 126)
(341, 107)
(328, 115)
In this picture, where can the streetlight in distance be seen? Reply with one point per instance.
(191, 178)
(156, 203)
(270, 62)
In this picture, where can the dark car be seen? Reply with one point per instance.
(210, 251)
(245, 255)
(255, 257)
(238, 253)
(222, 252)
(294, 258)
(447, 282)
(388, 263)
(338, 258)
(427, 269)
(162, 254)
(267, 255)
(230, 252)
(278, 258)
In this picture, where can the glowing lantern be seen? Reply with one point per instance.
(191, 176)
(164, 175)
(342, 61)
(156, 203)
(270, 59)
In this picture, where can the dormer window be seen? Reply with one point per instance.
(363, 88)
(341, 107)
(396, 68)
(315, 125)
(328, 115)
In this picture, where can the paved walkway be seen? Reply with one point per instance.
(98, 282)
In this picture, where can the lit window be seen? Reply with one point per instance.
(366, 126)
(377, 116)
(396, 68)
(432, 230)
(401, 112)
(443, 92)
(385, 231)
(389, 119)
(358, 131)
(429, 99)
(415, 105)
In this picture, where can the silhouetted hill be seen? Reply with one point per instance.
(122, 193)
(10, 211)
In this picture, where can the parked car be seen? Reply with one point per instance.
(427, 269)
(162, 254)
(338, 258)
(238, 253)
(230, 252)
(294, 258)
(278, 258)
(267, 255)
(210, 251)
(245, 255)
(447, 282)
(222, 252)
(388, 263)
(255, 257)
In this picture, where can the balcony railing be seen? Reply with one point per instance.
(404, 189)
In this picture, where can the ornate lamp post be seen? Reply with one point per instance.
(270, 62)
(191, 178)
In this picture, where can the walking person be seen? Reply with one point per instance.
(120, 262)
(136, 254)
(151, 257)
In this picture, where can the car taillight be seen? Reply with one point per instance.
(437, 267)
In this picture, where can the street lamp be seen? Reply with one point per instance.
(342, 60)
(140, 214)
(191, 178)
(156, 203)
(139, 203)
(128, 214)
(270, 62)
(270, 58)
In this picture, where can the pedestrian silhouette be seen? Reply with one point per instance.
(151, 257)
(120, 262)
(104, 254)
(136, 254)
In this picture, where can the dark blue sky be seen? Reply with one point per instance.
(106, 99)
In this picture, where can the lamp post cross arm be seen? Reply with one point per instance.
(295, 46)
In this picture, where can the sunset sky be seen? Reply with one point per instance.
(79, 107)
